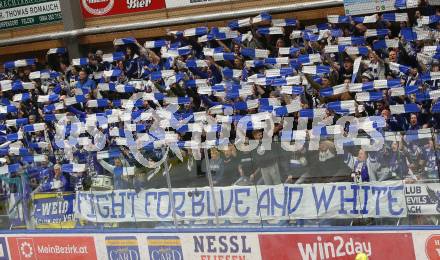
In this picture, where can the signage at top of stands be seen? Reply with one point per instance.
(184, 3)
(31, 12)
(96, 8)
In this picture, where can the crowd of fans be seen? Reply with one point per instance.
(384, 65)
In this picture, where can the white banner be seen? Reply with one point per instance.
(183, 3)
(423, 199)
(246, 203)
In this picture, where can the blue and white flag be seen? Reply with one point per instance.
(112, 57)
(287, 50)
(404, 109)
(34, 127)
(121, 88)
(385, 44)
(365, 19)
(73, 167)
(354, 40)
(12, 168)
(255, 53)
(430, 76)
(410, 34)
(271, 31)
(198, 31)
(244, 37)
(231, 73)
(310, 58)
(335, 90)
(123, 41)
(403, 91)
(44, 74)
(80, 62)
(112, 73)
(175, 52)
(262, 17)
(397, 67)
(17, 122)
(98, 103)
(334, 48)
(270, 73)
(48, 98)
(395, 17)
(237, 24)
(312, 113)
(314, 70)
(8, 109)
(224, 56)
(404, 4)
(426, 20)
(21, 97)
(56, 51)
(75, 100)
(369, 96)
(338, 19)
(19, 63)
(292, 90)
(192, 63)
(279, 61)
(156, 44)
(177, 100)
(113, 153)
(284, 22)
(8, 85)
(376, 32)
(162, 74)
(351, 50)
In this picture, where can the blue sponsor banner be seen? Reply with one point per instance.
(54, 210)
(281, 202)
(165, 247)
(122, 247)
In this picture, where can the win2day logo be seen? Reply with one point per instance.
(122, 248)
(165, 247)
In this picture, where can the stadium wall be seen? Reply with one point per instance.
(104, 40)
(322, 243)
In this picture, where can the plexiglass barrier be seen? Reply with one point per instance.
(307, 182)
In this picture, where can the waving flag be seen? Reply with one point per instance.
(7, 169)
(354, 40)
(395, 17)
(17, 122)
(309, 58)
(8, 109)
(231, 73)
(21, 97)
(80, 62)
(48, 98)
(73, 168)
(19, 63)
(34, 127)
(255, 53)
(44, 74)
(350, 50)
(398, 67)
(287, 50)
(402, 91)
(338, 19)
(292, 90)
(284, 22)
(56, 51)
(331, 91)
(224, 56)
(365, 19)
(314, 70)
(112, 57)
(195, 31)
(156, 44)
(411, 34)
(121, 88)
(376, 32)
(237, 24)
(385, 44)
(123, 41)
(271, 31)
(334, 48)
(312, 113)
(369, 96)
(261, 17)
(112, 73)
(403, 109)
